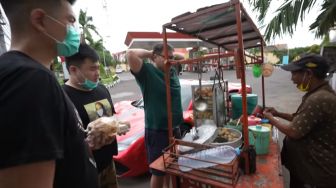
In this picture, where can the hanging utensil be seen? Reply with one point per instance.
(200, 103)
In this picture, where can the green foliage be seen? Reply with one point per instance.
(279, 54)
(326, 19)
(295, 52)
(198, 53)
(107, 80)
(87, 27)
(291, 12)
(60, 80)
(314, 49)
(109, 61)
(325, 41)
(57, 66)
(103, 73)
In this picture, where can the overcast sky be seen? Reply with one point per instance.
(120, 16)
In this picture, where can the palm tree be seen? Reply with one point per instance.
(291, 12)
(97, 45)
(87, 27)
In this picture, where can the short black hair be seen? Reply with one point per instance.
(84, 51)
(18, 10)
(158, 48)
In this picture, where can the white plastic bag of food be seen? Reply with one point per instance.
(103, 131)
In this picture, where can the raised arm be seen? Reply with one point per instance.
(135, 58)
(34, 175)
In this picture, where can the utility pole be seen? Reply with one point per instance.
(104, 38)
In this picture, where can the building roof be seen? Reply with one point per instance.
(276, 47)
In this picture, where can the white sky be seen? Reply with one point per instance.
(121, 16)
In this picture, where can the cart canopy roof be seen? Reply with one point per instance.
(217, 24)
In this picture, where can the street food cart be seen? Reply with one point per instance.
(229, 27)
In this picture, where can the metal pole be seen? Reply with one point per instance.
(168, 94)
(262, 77)
(104, 56)
(240, 59)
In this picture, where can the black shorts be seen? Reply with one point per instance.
(155, 141)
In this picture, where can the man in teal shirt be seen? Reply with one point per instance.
(150, 78)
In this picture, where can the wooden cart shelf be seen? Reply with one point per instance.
(268, 174)
(219, 175)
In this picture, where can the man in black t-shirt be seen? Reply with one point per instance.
(41, 136)
(92, 101)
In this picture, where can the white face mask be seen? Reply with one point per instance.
(100, 112)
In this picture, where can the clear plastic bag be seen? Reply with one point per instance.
(222, 154)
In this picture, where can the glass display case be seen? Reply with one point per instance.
(216, 107)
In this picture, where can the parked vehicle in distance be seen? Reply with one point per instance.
(119, 69)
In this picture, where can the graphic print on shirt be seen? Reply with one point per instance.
(101, 108)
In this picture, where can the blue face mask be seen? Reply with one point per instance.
(69, 46)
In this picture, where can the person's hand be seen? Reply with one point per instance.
(271, 110)
(124, 127)
(101, 132)
(152, 55)
(268, 115)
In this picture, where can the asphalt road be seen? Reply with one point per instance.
(280, 93)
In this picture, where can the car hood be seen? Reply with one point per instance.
(125, 111)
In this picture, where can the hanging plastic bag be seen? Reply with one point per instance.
(221, 154)
(267, 69)
(256, 70)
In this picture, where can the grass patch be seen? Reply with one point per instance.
(109, 80)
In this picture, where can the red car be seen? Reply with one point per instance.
(132, 160)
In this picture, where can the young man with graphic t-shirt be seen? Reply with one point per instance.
(150, 78)
(92, 101)
(42, 138)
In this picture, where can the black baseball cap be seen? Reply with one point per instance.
(311, 61)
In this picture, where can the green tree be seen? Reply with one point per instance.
(97, 45)
(104, 54)
(293, 53)
(291, 12)
(87, 27)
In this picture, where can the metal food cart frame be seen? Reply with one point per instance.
(229, 27)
